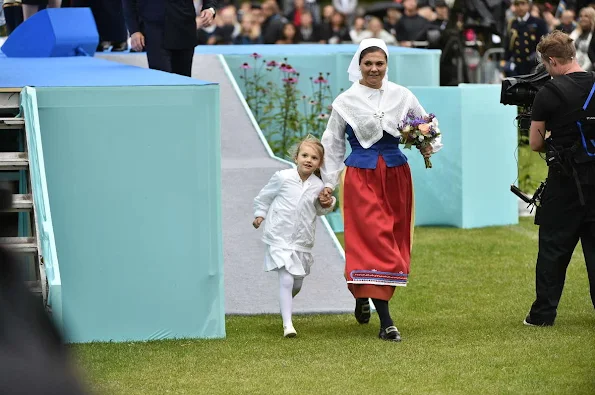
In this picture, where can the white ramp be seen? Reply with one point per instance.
(246, 168)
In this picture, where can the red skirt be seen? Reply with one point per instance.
(377, 216)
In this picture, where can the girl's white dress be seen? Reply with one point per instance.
(289, 207)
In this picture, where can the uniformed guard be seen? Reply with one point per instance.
(523, 34)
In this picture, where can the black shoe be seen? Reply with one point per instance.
(529, 322)
(119, 47)
(362, 310)
(391, 334)
(103, 46)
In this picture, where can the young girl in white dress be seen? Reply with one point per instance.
(290, 203)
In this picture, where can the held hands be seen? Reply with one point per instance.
(328, 192)
(325, 198)
(257, 222)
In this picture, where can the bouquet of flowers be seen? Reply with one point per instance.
(419, 132)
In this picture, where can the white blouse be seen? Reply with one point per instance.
(290, 206)
(370, 112)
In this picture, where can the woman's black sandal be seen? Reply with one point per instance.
(390, 333)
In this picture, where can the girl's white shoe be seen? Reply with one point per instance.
(289, 331)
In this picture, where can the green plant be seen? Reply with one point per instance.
(531, 167)
(284, 113)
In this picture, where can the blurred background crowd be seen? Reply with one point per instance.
(481, 40)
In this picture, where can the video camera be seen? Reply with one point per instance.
(520, 91)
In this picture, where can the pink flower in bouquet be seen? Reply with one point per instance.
(424, 128)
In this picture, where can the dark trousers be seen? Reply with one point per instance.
(109, 18)
(563, 221)
(14, 17)
(178, 61)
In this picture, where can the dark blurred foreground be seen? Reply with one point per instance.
(33, 359)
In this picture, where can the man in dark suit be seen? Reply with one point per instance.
(167, 30)
(523, 35)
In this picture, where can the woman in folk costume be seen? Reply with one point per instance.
(377, 189)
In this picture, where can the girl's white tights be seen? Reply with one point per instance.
(289, 286)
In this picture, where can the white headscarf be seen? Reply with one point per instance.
(354, 72)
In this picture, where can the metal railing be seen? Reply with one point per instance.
(489, 66)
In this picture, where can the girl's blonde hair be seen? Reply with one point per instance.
(312, 141)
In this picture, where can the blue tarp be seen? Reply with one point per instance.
(82, 71)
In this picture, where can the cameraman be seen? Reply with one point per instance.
(567, 211)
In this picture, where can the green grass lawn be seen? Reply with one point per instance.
(460, 317)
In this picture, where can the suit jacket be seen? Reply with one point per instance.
(175, 17)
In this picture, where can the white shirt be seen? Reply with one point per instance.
(373, 95)
(357, 37)
(524, 18)
(290, 206)
(346, 7)
(388, 38)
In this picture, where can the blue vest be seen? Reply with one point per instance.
(387, 146)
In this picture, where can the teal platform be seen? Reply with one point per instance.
(133, 180)
(469, 185)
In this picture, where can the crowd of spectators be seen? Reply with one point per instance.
(408, 23)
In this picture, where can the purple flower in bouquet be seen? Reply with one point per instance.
(419, 132)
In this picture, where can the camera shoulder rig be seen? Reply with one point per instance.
(581, 120)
